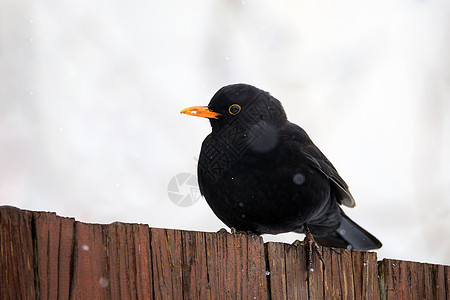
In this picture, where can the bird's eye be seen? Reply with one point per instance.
(234, 109)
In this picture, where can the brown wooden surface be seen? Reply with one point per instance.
(17, 272)
(412, 280)
(43, 256)
(54, 245)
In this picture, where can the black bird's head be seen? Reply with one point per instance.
(242, 102)
(243, 115)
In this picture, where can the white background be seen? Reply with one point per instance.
(90, 94)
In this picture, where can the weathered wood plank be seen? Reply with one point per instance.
(336, 282)
(275, 253)
(439, 282)
(91, 277)
(17, 270)
(296, 284)
(404, 281)
(54, 248)
(236, 266)
(195, 270)
(129, 270)
(315, 281)
(371, 286)
(328, 288)
(256, 279)
(358, 268)
(140, 239)
(167, 263)
(111, 262)
(346, 274)
(365, 275)
(447, 281)
(416, 271)
(412, 280)
(388, 290)
(250, 267)
(228, 279)
(427, 281)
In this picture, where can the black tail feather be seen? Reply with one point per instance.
(349, 235)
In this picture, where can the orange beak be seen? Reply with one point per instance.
(200, 111)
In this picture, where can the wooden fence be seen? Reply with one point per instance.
(44, 256)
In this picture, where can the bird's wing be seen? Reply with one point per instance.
(318, 160)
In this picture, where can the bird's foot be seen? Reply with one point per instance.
(236, 232)
(233, 231)
(310, 243)
(298, 243)
(222, 230)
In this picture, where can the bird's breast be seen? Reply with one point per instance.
(250, 190)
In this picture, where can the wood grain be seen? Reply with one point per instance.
(17, 266)
(412, 280)
(54, 246)
(44, 256)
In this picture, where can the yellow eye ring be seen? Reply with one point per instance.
(234, 109)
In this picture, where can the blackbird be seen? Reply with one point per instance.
(263, 174)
